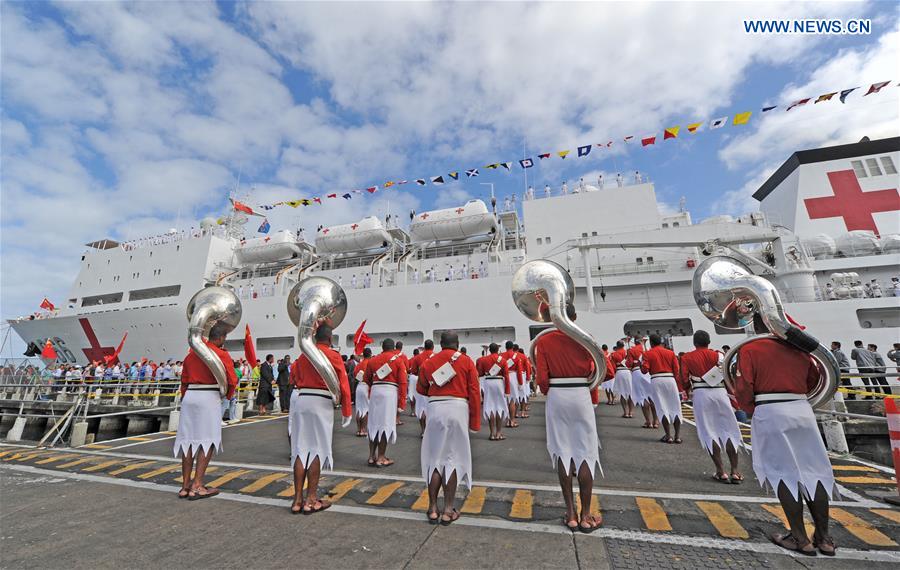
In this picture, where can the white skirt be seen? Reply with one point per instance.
(715, 419)
(494, 398)
(513, 388)
(572, 429)
(526, 391)
(666, 398)
(641, 390)
(200, 423)
(787, 448)
(411, 388)
(607, 385)
(622, 383)
(383, 412)
(362, 400)
(445, 447)
(421, 405)
(312, 429)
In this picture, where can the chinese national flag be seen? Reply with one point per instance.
(48, 351)
(249, 348)
(113, 358)
(241, 207)
(47, 306)
(360, 339)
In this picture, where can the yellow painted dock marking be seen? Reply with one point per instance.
(726, 524)
(262, 482)
(653, 514)
(865, 480)
(55, 458)
(522, 504)
(421, 503)
(475, 501)
(852, 468)
(289, 492)
(160, 471)
(888, 514)
(74, 463)
(169, 433)
(140, 438)
(131, 467)
(6, 452)
(779, 512)
(97, 446)
(861, 529)
(33, 454)
(227, 477)
(384, 493)
(595, 505)
(103, 465)
(342, 488)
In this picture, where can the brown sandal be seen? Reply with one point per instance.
(788, 542)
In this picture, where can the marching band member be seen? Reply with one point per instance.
(494, 375)
(717, 427)
(200, 423)
(641, 389)
(419, 401)
(411, 390)
(450, 382)
(362, 394)
(622, 385)
(788, 453)
(313, 414)
(514, 368)
(662, 365)
(524, 380)
(386, 377)
(563, 369)
(608, 385)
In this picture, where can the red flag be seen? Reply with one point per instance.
(360, 339)
(241, 207)
(48, 351)
(317, 200)
(332, 195)
(249, 349)
(47, 305)
(113, 358)
(646, 141)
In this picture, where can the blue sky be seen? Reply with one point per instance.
(124, 120)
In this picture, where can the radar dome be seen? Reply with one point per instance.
(207, 223)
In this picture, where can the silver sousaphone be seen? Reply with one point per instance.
(313, 301)
(541, 290)
(729, 295)
(212, 307)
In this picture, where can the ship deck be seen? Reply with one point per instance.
(113, 504)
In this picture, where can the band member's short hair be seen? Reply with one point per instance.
(388, 344)
(509, 345)
(619, 344)
(367, 353)
(449, 339)
(494, 348)
(701, 338)
(219, 330)
(655, 340)
(429, 344)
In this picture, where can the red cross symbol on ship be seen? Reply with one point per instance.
(459, 210)
(325, 231)
(851, 203)
(424, 216)
(95, 351)
(354, 226)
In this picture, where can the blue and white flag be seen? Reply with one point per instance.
(526, 163)
(264, 227)
(471, 173)
(584, 150)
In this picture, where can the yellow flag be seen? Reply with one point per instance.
(742, 118)
(220, 221)
(692, 128)
(563, 153)
(294, 203)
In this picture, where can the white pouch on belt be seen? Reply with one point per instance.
(360, 375)
(385, 370)
(446, 372)
(715, 375)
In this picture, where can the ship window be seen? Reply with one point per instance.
(874, 169)
(663, 327)
(540, 241)
(101, 299)
(888, 165)
(859, 168)
(665, 224)
(639, 260)
(583, 234)
(675, 224)
(154, 293)
(649, 259)
(593, 233)
(879, 318)
(547, 240)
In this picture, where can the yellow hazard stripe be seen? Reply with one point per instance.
(888, 514)
(55, 458)
(228, 477)
(103, 465)
(160, 471)
(262, 482)
(779, 513)
(653, 514)
(421, 503)
(522, 504)
(337, 493)
(861, 529)
(865, 480)
(74, 463)
(475, 501)
(384, 493)
(724, 522)
(131, 467)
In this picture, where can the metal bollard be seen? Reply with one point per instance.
(15, 432)
(155, 401)
(79, 434)
(174, 418)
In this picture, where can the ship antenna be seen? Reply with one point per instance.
(681, 204)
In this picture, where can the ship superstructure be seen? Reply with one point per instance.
(828, 225)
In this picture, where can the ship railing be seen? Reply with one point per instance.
(623, 269)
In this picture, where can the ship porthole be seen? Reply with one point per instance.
(437, 305)
(419, 306)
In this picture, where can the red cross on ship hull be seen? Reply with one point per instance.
(851, 203)
(95, 352)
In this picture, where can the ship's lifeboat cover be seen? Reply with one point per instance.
(279, 246)
(890, 243)
(368, 233)
(472, 219)
(858, 242)
(819, 246)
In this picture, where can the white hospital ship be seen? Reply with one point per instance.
(827, 231)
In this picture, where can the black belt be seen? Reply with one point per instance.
(203, 387)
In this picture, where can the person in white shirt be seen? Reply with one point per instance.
(547, 191)
(619, 179)
(507, 204)
(894, 287)
(367, 281)
(450, 274)
(830, 295)
(637, 177)
(117, 372)
(416, 276)
(482, 270)
(876, 289)
(600, 181)
(353, 281)
(565, 187)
